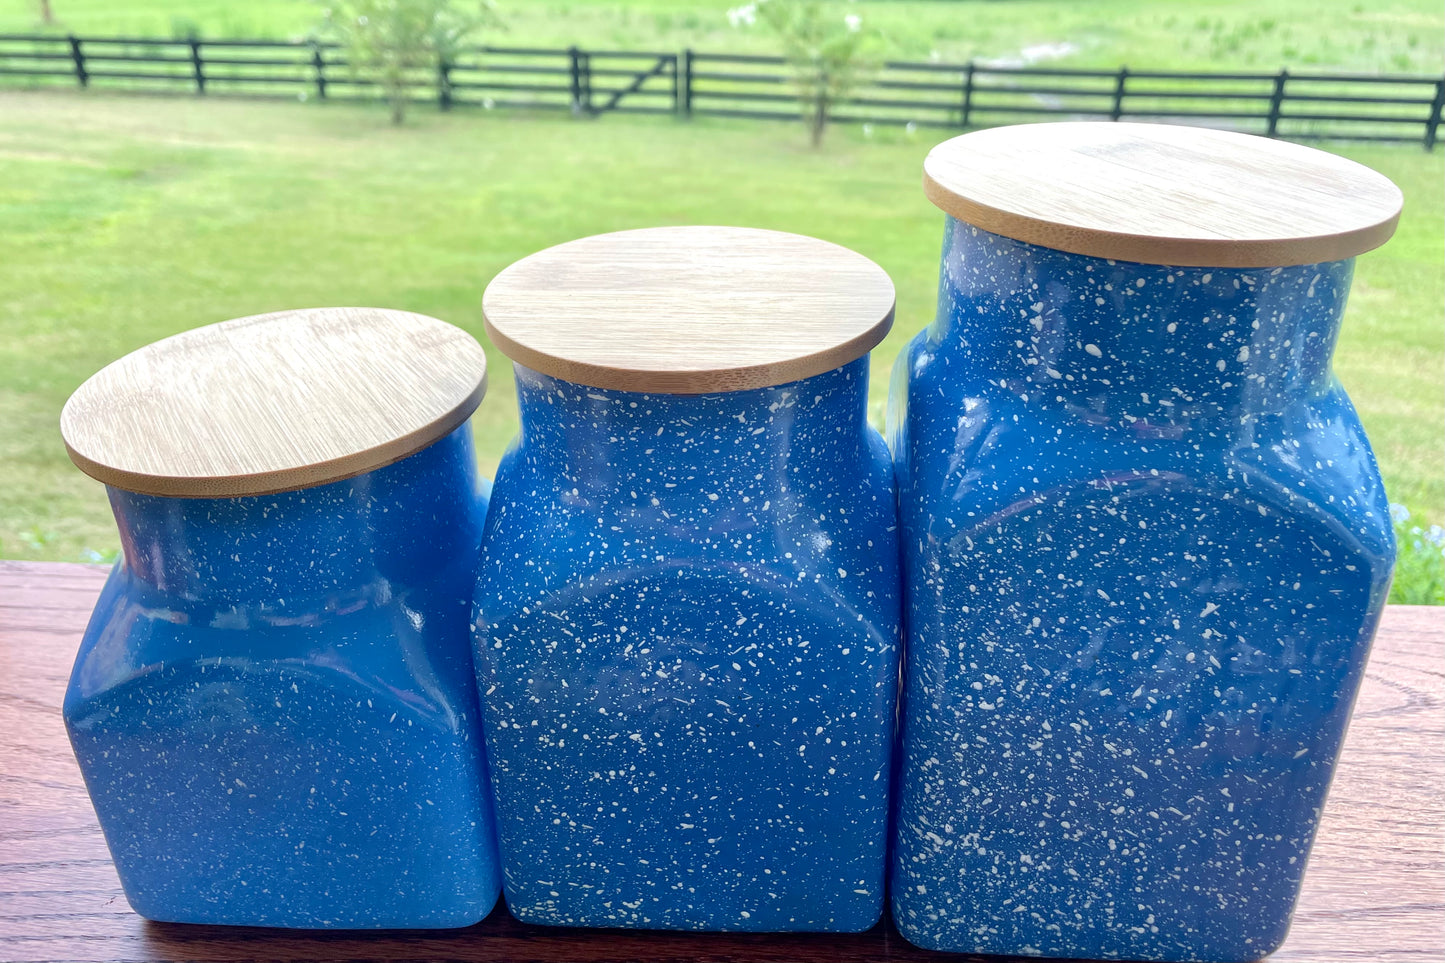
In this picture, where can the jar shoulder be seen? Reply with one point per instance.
(803, 515)
(396, 644)
(992, 452)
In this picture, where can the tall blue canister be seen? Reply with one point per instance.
(274, 706)
(688, 603)
(1146, 544)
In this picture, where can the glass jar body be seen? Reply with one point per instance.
(274, 709)
(1146, 546)
(687, 620)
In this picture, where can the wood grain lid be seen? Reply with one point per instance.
(1161, 194)
(688, 310)
(274, 402)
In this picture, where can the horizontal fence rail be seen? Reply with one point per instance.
(1298, 106)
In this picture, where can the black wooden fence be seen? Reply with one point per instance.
(1299, 106)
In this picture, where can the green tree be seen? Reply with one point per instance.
(392, 38)
(829, 50)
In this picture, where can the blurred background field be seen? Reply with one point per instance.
(129, 218)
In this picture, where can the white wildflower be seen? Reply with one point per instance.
(744, 16)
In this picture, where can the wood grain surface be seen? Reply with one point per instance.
(1375, 889)
(1162, 194)
(689, 310)
(274, 402)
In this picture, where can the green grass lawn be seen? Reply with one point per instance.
(128, 219)
(1383, 35)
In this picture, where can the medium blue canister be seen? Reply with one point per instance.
(273, 706)
(1146, 544)
(688, 608)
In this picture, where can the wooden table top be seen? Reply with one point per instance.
(1375, 889)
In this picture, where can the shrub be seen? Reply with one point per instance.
(1420, 564)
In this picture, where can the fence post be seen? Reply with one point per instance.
(1118, 110)
(586, 83)
(676, 87)
(444, 83)
(196, 64)
(967, 94)
(319, 62)
(1432, 126)
(78, 55)
(574, 57)
(1276, 101)
(687, 82)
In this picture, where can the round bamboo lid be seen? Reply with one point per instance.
(1161, 194)
(274, 402)
(689, 310)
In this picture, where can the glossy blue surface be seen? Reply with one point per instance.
(687, 633)
(1146, 546)
(274, 706)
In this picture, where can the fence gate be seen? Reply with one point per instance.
(593, 90)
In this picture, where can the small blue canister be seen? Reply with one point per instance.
(687, 608)
(273, 706)
(1146, 544)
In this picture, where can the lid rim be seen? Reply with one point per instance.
(1159, 249)
(692, 381)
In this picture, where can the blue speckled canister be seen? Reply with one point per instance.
(688, 605)
(274, 705)
(1146, 544)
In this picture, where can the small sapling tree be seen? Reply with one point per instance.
(827, 47)
(391, 39)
